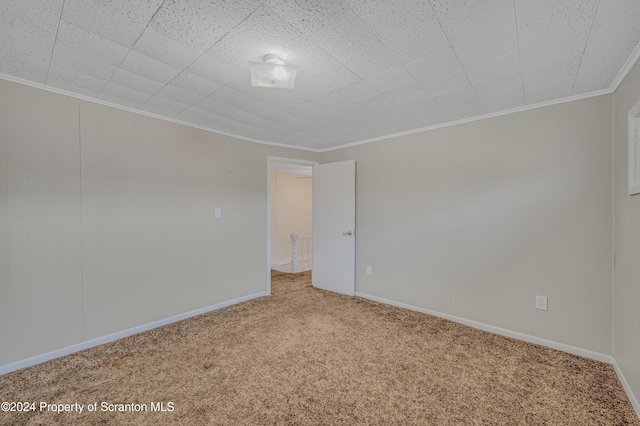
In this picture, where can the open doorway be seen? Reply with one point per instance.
(289, 212)
(291, 196)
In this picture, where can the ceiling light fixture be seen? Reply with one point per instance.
(273, 72)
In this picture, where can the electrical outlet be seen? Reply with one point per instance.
(369, 270)
(541, 303)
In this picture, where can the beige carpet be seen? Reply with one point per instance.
(307, 356)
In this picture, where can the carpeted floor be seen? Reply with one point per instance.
(308, 357)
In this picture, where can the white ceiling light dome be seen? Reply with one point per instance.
(273, 73)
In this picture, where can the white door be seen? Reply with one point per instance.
(334, 220)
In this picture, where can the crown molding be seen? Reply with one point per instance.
(145, 113)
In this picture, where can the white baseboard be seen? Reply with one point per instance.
(497, 330)
(281, 262)
(286, 262)
(627, 388)
(524, 337)
(285, 267)
(28, 362)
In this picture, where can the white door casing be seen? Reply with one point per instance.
(274, 163)
(334, 218)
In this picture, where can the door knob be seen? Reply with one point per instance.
(347, 233)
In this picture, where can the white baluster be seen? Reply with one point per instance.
(294, 251)
(302, 252)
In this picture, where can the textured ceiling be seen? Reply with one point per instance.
(367, 68)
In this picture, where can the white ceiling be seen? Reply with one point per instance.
(367, 68)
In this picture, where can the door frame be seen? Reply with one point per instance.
(270, 161)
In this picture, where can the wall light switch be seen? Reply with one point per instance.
(369, 270)
(217, 213)
(541, 303)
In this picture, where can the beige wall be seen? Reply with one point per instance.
(290, 211)
(626, 308)
(106, 220)
(477, 219)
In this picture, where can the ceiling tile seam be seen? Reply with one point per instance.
(55, 41)
(129, 52)
(179, 111)
(381, 42)
(159, 90)
(106, 80)
(167, 84)
(148, 23)
(332, 109)
(515, 17)
(227, 33)
(112, 74)
(239, 23)
(464, 71)
(171, 114)
(586, 43)
(186, 68)
(404, 69)
(362, 79)
(435, 14)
